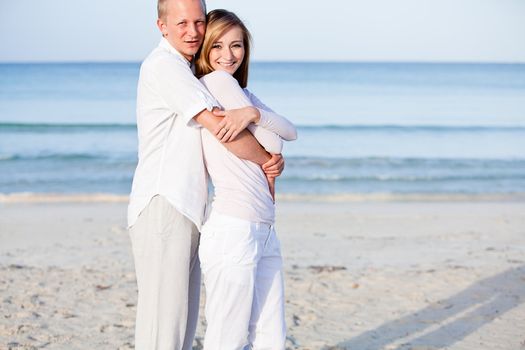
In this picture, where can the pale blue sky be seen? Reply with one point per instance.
(341, 30)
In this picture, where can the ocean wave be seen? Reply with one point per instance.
(400, 178)
(59, 157)
(31, 197)
(45, 127)
(42, 127)
(414, 128)
(301, 162)
(6, 157)
(408, 197)
(318, 162)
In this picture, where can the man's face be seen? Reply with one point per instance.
(184, 26)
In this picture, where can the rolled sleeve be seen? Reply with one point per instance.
(181, 91)
(201, 102)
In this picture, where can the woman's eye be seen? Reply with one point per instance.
(216, 46)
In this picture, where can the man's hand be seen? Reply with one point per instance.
(234, 121)
(245, 146)
(274, 167)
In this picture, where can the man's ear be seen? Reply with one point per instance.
(162, 27)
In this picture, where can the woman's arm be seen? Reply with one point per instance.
(273, 121)
(245, 146)
(229, 94)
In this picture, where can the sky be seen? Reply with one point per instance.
(283, 30)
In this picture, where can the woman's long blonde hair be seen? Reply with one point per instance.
(218, 22)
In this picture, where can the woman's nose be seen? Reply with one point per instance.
(226, 53)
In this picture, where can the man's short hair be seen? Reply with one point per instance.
(162, 7)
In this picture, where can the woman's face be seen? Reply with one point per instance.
(227, 52)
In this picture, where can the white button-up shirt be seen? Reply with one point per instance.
(170, 160)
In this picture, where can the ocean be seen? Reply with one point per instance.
(399, 128)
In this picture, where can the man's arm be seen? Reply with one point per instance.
(245, 146)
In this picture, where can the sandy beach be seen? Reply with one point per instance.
(371, 274)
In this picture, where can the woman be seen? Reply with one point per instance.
(239, 251)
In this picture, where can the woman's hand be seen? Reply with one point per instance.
(234, 121)
(274, 167)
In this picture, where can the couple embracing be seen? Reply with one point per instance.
(195, 120)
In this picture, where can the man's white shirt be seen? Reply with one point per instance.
(170, 160)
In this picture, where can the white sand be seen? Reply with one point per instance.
(359, 274)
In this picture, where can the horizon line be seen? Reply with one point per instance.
(452, 62)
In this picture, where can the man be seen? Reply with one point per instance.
(169, 190)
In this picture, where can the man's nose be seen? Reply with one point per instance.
(192, 29)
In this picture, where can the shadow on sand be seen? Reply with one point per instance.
(447, 321)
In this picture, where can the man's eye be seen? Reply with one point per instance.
(181, 23)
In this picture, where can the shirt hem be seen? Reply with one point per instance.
(178, 206)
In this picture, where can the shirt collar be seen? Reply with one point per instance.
(164, 43)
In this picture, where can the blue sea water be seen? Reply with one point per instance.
(363, 127)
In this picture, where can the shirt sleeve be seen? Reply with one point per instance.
(180, 89)
(231, 96)
(273, 121)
